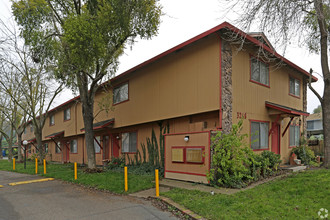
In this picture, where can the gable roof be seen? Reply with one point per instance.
(225, 25)
(316, 116)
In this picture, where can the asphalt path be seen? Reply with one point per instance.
(59, 200)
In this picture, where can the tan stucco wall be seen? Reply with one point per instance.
(249, 97)
(187, 171)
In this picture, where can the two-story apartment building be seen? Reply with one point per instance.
(199, 87)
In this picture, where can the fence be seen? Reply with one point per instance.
(317, 146)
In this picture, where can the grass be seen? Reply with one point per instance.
(299, 196)
(108, 180)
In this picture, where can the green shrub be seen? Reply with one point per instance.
(236, 165)
(305, 154)
(230, 159)
(116, 162)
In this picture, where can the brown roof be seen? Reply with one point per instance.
(315, 116)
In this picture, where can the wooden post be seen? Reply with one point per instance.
(44, 166)
(36, 165)
(126, 182)
(157, 182)
(75, 170)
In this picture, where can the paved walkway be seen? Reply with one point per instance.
(166, 184)
(59, 200)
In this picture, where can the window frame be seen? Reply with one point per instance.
(58, 150)
(52, 122)
(71, 141)
(185, 154)
(296, 126)
(46, 148)
(95, 137)
(267, 133)
(117, 87)
(64, 114)
(266, 64)
(295, 80)
(122, 147)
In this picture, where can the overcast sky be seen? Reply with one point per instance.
(183, 20)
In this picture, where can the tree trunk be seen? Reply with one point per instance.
(89, 134)
(10, 145)
(19, 149)
(1, 157)
(326, 124)
(38, 135)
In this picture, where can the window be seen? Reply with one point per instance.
(188, 154)
(129, 141)
(58, 147)
(310, 125)
(120, 93)
(31, 128)
(259, 71)
(46, 147)
(73, 146)
(194, 155)
(294, 135)
(52, 120)
(67, 115)
(294, 86)
(97, 144)
(29, 149)
(259, 135)
(177, 155)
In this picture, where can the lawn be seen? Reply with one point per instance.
(108, 180)
(299, 196)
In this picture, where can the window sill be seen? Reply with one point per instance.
(259, 83)
(260, 149)
(120, 102)
(298, 97)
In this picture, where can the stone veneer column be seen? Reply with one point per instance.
(304, 121)
(226, 87)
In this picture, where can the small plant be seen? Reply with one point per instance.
(116, 162)
(303, 152)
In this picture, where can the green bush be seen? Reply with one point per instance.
(116, 162)
(236, 165)
(230, 161)
(305, 154)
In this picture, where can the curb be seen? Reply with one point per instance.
(30, 181)
(179, 207)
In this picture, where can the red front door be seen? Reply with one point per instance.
(115, 145)
(276, 138)
(106, 148)
(66, 152)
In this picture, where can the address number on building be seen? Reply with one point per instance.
(241, 115)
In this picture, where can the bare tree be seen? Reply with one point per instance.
(308, 22)
(21, 73)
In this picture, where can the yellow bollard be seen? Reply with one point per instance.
(44, 166)
(157, 182)
(36, 165)
(126, 184)
(14, 164)
(75, 170)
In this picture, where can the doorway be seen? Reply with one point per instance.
(115, 145)
(276, 138)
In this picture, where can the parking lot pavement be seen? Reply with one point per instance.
(59, 200)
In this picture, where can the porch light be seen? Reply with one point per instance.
(25, 142)
(186, 138)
